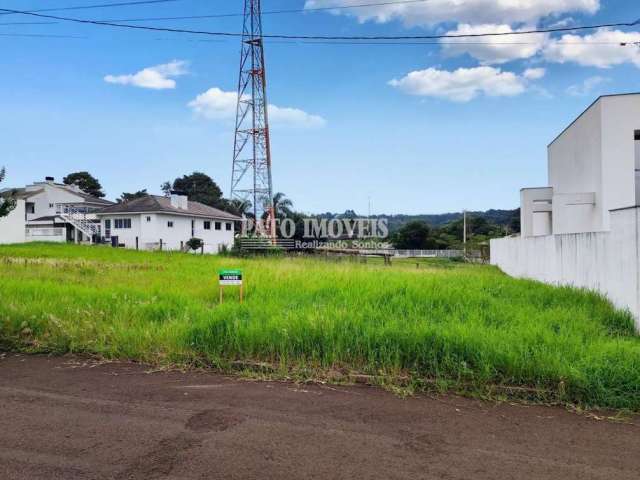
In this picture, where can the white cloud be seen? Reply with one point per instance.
(463, 84)
(215, 104)
(534, 73)
(492, 50)
(601, 49)
(294, 117)
(218, 104)
(565, 22)
(432, 12)
(587, 86)
(159, 77)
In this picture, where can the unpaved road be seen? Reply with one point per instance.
(68, 418)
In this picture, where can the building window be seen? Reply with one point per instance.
(148, 219)
(122, 223)
(51, 205)
(229, 225)
(170, 224)
(218, 226)
(31, 207)
(193, 228)
(207, 225)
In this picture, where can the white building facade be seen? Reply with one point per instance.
(167, 223)
(582, 228)
(51, 212)
(12, 227)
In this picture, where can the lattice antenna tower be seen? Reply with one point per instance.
(251, 176)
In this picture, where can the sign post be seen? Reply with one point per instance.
(230, 278)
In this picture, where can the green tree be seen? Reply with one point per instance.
(200, 187)
(414, 235)
(194, 243)
(239, 207)
(87, 183)
(282, 206)
(7, 202)
(514, 223)
(127, 197)
(166, 188)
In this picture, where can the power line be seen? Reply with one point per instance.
(223, 15)
(326, 37)
(101, 5)
(348, 43)
(268, 12)
(382, 43)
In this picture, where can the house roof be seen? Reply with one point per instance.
(19, 193)
(48, 218)
(74, 190)
(91, 199)
(159, 204)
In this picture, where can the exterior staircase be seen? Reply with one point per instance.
(78, 217)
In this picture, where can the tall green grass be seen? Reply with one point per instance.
(468, 325)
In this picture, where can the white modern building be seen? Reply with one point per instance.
(583, 228)
(51, 212)
(166, 223)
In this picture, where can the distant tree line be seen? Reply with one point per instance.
(419, 235)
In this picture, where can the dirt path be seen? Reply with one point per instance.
(68, 418)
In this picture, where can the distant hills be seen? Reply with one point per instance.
(505, 218)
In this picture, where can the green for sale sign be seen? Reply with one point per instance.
(230, 277)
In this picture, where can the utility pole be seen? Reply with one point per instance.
(251, 175)
(464, 232)
(369, 226)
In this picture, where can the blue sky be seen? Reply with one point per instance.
(416, 128)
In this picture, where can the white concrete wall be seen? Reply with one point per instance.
(149, 233)
(12, 227)
(608, 262)
(534, 223)
(575, 166)
(46, 234)
(620, 119)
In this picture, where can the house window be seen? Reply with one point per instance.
(170, 224)
(122, 223)
(229, 225)
(107, 228)
(193, 228)
(207, 225)
(148, 219)
(31, 207)
(51, 205)
(218, 226)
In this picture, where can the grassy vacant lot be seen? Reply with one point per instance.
(461, 326)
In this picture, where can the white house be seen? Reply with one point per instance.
(167, 223)
(583, 228)
(594, 167)
(52, 212)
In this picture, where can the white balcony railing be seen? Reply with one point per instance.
(80, 217)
